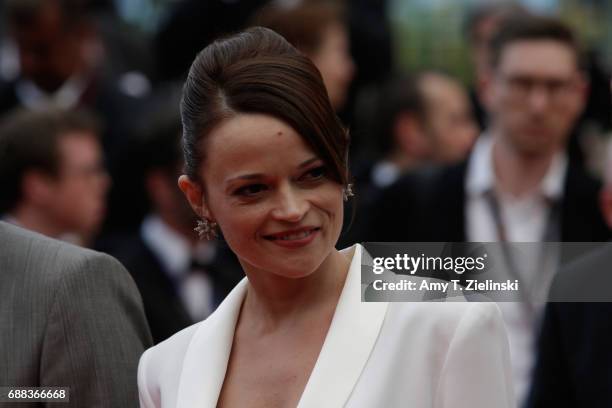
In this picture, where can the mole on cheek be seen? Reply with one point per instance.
(279, 133)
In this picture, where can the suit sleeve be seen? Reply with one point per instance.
(476, 372)
(95, 334)
(550, 386)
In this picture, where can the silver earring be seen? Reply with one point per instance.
(206, 229)
(347, 192)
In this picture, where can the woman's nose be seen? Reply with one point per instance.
(290, 206)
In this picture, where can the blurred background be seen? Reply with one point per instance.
(90, 146)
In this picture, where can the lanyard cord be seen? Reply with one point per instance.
(551, 233)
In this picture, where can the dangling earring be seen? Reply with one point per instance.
(347, 192)
(206, 229)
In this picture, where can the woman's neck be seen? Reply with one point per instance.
(273, 301)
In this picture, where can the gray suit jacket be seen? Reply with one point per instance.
(68, 317)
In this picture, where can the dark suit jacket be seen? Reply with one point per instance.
(435, 211)
(164, 309)
(574, 366)
(68, 317)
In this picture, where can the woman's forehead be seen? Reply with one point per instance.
(254, 140)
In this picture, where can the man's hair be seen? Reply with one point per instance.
(486, 9)
(24, 12)
(403, 94)
(532, 28)
(304, 24)
(399, 95)
(29, 141)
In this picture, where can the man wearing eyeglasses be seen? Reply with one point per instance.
(518, 184)
(52, 174)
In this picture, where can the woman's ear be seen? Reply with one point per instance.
(194, 194)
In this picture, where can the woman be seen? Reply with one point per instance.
(266, 164)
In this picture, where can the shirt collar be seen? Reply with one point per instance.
(384, 173)
(553, 183)
(66, 97)
(480, 176)
(172, 249)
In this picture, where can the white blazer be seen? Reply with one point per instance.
(428, 354)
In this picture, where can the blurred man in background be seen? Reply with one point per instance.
(448, 121)
(52, 175)
(423, 121)
(60, 63)
(63, 65)
(181, 279)
(518, 185)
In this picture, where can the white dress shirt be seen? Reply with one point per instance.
(175, 254)
(524, 219)
(66, 96)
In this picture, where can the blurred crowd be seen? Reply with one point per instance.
(90, 139)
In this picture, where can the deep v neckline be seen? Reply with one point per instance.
(349, 341)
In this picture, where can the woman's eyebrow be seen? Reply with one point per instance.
(251, 176)
(307, 162)
(255, 176)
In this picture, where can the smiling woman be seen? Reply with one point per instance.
(266, 162)
(270, 194)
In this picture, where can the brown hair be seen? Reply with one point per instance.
(22, 13)
(532, 28)
(482, 11)
(29, 140)
(258, 71)
(304, 24)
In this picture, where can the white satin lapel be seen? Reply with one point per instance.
(206, 359)
(347, 347)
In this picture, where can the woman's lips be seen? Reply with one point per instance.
(294, 238)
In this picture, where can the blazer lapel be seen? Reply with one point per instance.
(347, 347)
(206, 359)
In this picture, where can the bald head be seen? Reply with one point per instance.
(448, 119)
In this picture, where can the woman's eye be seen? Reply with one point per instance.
(315, 173)
(250, 190)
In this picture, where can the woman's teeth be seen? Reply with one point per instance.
(298, 235)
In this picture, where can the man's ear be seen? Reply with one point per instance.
(37, 187)
(194, 194)
(409, 135)
(605, 203)
(583, 86)
(484, 89)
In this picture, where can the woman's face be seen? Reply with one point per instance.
(335, 63)
(270, 195)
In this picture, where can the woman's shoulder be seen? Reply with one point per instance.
(177, 343)
(445, 320)
(170, 352)
(160, 367)
(163, 363)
